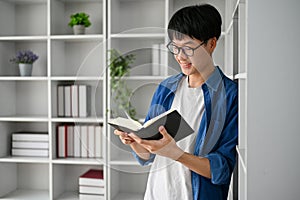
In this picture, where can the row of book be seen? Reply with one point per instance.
(73, 100)
(159, 56)
(34, 144)
(91, 185)
(83, 141)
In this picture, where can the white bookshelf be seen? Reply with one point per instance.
(268, 108)
(236, 67)
(30, 103)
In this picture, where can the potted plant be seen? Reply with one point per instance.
(119, 67)
(79, 21)
(25, 60)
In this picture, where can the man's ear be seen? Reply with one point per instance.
(211, 44)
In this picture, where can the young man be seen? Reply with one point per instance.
(200, 165)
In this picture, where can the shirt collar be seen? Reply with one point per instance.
(214, 79)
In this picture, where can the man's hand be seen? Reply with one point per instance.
(124, 137)
(164, 147)
(128, 140)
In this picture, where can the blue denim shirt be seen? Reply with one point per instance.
(217, 135)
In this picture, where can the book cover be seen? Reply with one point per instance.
(75, 101)
(174, 123)
(60, 101)
(30, 136)
(93, 177)
(29, 145)
(30, 152)
(91, 190)
(77, 142)
(84, 100)
(98, 142)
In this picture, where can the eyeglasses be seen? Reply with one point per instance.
(188, 51)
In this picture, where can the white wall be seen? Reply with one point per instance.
(273, 99)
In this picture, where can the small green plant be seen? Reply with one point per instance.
(80, 19)
(119, 67)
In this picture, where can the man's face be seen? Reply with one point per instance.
(194, 56)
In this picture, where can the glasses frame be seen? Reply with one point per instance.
(182, 48)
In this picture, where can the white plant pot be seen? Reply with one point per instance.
(25, 69)
(79, 29)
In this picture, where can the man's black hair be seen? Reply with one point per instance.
(200, 22)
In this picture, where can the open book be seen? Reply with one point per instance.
(174, 123)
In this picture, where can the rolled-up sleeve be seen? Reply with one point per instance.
(142, 161)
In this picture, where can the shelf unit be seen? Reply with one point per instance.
(29, 103)
(236, 68)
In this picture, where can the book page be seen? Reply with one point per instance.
(127, 123)
(149, 122)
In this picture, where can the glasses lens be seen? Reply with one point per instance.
(173, 49)
(188, 51)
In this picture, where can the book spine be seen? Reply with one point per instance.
(30, 145)
(74, 100)
(70, 142)
(77, 141)
(62, 138)
(91, 141)
(91, 197)
(60, 101)
(91, 190)
(30, 137)
(68, 102)
(84, 141)
(98, 142)
(30, 152)
(91, 182)
(84, 100)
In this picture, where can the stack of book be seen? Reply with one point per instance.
(91, 185)
(84, 141)
(73, 100)
(34, 144)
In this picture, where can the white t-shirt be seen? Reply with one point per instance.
(168, 179)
